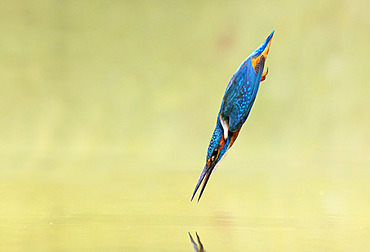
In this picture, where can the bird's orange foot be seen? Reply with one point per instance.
(264, 75)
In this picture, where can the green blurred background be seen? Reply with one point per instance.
(107, 109)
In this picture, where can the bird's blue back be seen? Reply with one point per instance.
(240, 94)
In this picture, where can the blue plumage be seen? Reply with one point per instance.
(236, 105)
(240, 96)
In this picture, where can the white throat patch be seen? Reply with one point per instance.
(225, 127)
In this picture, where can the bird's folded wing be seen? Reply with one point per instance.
(240, 95)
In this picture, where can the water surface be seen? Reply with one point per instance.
(153, 212)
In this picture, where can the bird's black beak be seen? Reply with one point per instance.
(206, 173)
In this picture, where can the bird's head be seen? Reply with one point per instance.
(217, 148)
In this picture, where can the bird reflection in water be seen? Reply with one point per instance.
(197, 247)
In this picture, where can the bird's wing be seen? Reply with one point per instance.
(240, 95)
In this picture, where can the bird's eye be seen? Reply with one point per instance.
(214, 154)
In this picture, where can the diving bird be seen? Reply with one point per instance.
(235, 107)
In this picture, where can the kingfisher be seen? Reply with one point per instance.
(235, 108)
